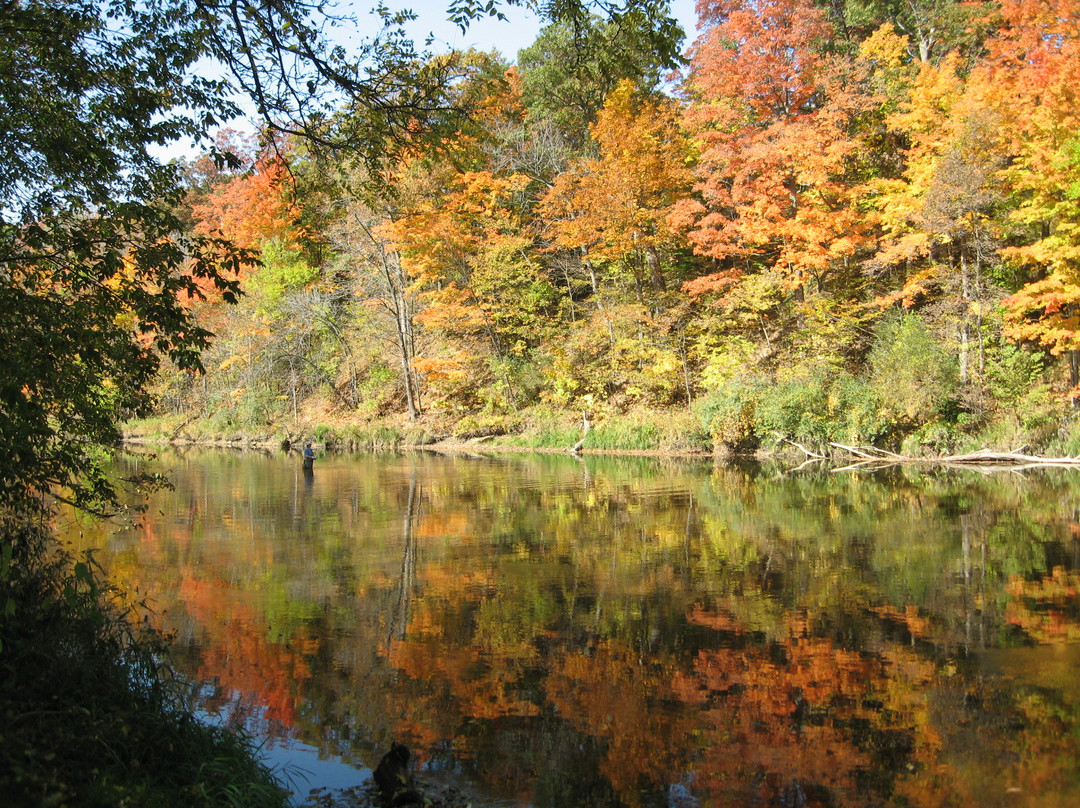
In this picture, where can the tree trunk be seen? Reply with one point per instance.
(653, 258)
(965, 300)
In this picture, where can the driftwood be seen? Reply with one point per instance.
(809, 454)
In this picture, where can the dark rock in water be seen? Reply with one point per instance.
(391, 786)
(392, 778)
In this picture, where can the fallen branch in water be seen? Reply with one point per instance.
(982, 457)
(871, 452)
(801, 448)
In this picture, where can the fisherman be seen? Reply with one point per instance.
(309, 457)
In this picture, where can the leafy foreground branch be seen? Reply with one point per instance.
(90, 714)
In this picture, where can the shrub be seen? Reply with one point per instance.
(858, 409)
(728, 414)
(911, 373)
(812, 407)
(1012, 373)
(796, 407)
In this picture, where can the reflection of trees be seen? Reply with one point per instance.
(256, 681)
(752, 637)
(408, 563)
(1048, 609)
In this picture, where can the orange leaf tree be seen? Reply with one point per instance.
(608, 214)
(612, 209)
(938, 216)
(783, 129)
(1034, 78)
(462, 241)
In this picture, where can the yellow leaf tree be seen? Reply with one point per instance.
(613, 209)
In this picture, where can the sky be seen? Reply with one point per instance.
(508, 37)
(518, 31)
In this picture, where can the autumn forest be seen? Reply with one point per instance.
(811, 221)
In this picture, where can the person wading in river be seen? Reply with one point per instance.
(309, 457)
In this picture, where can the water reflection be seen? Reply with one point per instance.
(628, 631)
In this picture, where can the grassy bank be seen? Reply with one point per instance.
(678, 432)
(90, 714)
(761, 419)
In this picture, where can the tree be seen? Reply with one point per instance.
(575, 63)
(937, 219)
(932, 28)
(610, 213)
(462, 243)
(379, 279)
(252, 208)
(1032, 81)
(614, 208)
(92, 260)
(777, 123)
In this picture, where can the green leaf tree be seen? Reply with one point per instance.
(93, 264)
(577, 61)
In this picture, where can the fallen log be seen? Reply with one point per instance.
(869, 452)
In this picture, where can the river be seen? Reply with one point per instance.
(609, 631)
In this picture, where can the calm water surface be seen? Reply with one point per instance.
(550, 631)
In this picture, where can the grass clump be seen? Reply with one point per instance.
(648, 431)
(90, 715)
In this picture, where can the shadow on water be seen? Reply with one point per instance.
(610, 631)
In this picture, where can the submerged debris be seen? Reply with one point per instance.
(367, 795)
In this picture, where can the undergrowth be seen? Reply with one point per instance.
(90, 713)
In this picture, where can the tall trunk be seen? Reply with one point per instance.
(965, 300)
(595, 283)
(570, 295)
(1074, 374)
(685, 370)
(401, 307)
(407, 352)
(397, 302)
(652, 256)
(979, 306)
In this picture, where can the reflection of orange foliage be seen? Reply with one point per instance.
(612, 694)
(1046, 610)
(717, 620)
(918, 626)
(238, 655)
(484, 687)
(442, 523)
(783, 714)
(797, 718)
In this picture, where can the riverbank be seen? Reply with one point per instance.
(682, 432)
(641, 431)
